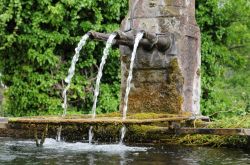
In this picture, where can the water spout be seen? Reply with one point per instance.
(130, 75)
(98, 80)
(71, 71)
(99, 75)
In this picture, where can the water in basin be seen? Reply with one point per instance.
(14, 151)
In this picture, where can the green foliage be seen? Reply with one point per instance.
(217, 141)
(108, 101)
(37, 41)
(232, 122)
(225, 27)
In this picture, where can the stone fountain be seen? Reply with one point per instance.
(167, 66)
(166, 77)
(167, 72)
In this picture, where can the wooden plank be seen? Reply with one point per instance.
(93, 121)
(128, 40)
(215, 131)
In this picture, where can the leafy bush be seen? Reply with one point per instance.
(37, 41)
(225, 27)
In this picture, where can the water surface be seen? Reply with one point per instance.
(25, 152)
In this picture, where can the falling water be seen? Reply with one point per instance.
(130, 75)
(99, 75)
(98, 80)
(123, 132)
(72, 70)
(91, 134)
(59, 132)
(69, 77)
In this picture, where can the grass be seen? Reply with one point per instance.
(218, 141)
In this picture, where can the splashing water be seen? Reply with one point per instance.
(91, 134)
(130, 75)
(58, 135)
(99, 75)
(98, 80)
(72, 70)
(123, 132)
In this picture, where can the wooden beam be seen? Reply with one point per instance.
(93, 121)
(205, 131)
(162, 43)
(214, 131)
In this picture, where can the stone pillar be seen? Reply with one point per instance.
(169, 81)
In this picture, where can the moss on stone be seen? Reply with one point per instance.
(157, 91)
(174, 87)
(142, 133)
(214, 140)
(153, 115)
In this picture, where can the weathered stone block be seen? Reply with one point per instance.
(164, 81)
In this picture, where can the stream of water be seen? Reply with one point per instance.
(128, 85)
(98, 80)
(130, 73)
(71, 71)
(21, 152)
(99, 75)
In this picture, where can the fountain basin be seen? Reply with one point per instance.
(143, 128)
(106, 127)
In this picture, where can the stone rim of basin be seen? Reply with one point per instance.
(3, 120)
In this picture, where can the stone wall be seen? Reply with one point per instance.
(167, 81)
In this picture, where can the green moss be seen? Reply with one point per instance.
(214, 140)
(150, 115)
(142, 133)
(157, 91)
(232, 122)
(141, 130)
(113, 114)
(12, 119)
(174, 87)
(105, 116)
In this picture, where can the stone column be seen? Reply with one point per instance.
(169, 81)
